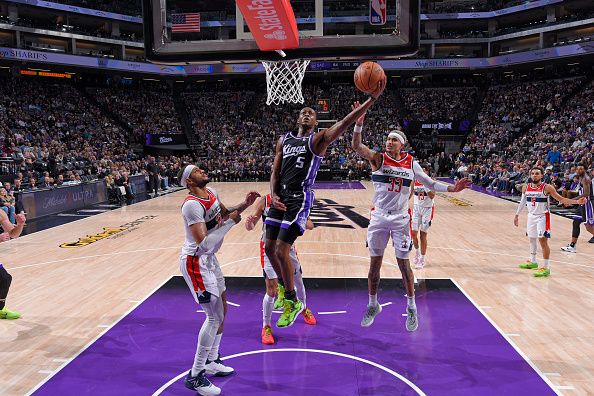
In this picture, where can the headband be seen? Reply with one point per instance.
(397, 136)
(186, 174)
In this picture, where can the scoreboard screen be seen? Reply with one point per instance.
(323, 106)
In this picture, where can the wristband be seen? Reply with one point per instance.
(358, 128)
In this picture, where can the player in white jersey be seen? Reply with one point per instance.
(393, 175)
(274, 285)
(422, 215)
(535, 197)
(206, 221)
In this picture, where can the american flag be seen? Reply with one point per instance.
(183, 23)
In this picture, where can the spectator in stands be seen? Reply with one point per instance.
(554, 156)
(7, 204)
(153, 176)
(163, 176)
(33, 184)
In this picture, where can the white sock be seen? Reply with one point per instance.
(533, 250)
(422, 257)
(547, 265)
(300, 288)
(373, 300)
(418, 253)
(410, 302)
(214, 350)
(267, 306)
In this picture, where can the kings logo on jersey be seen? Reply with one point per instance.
(377, 12)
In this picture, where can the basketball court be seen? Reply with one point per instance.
(114, 317)
(105, 310)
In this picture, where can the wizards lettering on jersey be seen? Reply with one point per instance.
(393, 172)
(392, 183)
(212, 209)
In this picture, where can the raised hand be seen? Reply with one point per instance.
(251, 197)
(250, 222)
(361, 119)
(20, 218)
(381, 86)
(460, 185)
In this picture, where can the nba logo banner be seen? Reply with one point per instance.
(377, 12)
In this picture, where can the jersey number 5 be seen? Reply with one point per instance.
(396, 184)
(300, 162)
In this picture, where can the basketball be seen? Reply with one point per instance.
(367, 76)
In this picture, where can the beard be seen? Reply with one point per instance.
(202, 183)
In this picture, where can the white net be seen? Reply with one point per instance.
(283, 81)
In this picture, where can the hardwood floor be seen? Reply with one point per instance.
(69, 295)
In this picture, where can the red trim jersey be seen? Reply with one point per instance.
(392, 183)
(200, 210)
(421, 196)
(537, 201)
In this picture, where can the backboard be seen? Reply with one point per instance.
(201, 31)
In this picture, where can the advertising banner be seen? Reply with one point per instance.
(62, 199)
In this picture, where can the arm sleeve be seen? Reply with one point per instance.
(211, 242)
(521, 205)
(428, 182)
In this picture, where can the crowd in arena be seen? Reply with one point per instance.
(147, 110)
(61, 134)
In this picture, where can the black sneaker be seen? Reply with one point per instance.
(591, 240)
(201, 384)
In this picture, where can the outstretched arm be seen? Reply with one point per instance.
(250, 198)
(549, 189)
(275, 175)
(323, 139)
(434, 185)
(372, 156)
(252, 220)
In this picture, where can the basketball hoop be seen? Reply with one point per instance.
(283, 80)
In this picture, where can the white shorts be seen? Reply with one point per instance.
(421, 218)
(202, 273)
(267, 268)
(539, 226)
(384, 225)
